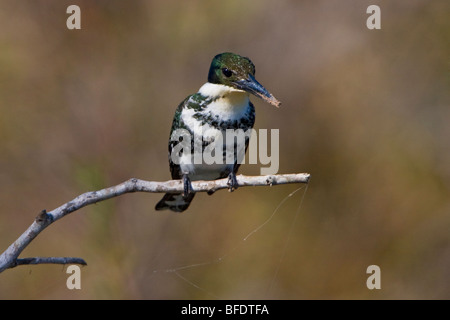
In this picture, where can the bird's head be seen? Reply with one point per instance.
(238, 72)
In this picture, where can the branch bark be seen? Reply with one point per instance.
(9, 258)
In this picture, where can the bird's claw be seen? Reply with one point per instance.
(232, 182)
(187, 186)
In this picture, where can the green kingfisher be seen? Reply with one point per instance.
(221, 104)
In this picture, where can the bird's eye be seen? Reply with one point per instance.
(227, 72)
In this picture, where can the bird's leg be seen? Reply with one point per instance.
(187, 185)
(232, 182)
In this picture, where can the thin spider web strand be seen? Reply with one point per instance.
(273, 213)
(175, 270)
(283, 254)
(221, 258)
(194, 285)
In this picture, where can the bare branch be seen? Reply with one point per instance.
(49, 260)
(9, 258)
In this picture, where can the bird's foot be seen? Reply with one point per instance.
(187, 186)
(232, 182)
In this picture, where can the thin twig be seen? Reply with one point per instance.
(50, 260)
(9, 258)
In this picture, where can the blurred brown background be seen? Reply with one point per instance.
(366, 112)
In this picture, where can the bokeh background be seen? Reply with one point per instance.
(366, 112)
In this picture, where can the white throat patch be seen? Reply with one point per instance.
(230, 103)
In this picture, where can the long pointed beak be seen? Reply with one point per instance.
(254, 87)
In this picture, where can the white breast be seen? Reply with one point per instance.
(229, 104)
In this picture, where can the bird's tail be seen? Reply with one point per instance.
(175, 201)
